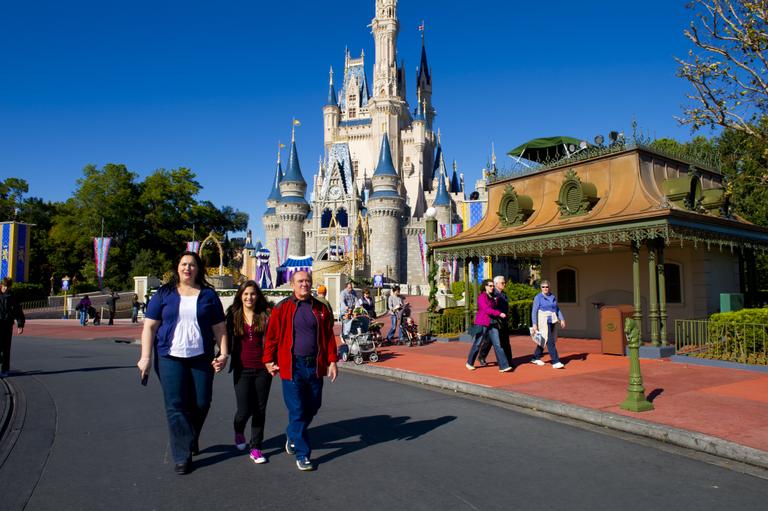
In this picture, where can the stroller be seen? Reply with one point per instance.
(412, 335)
(94, 315)
(358, 341)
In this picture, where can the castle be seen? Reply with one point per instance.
(383, 168)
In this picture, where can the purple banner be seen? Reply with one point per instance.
(100, 250)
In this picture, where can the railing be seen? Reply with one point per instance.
(441, 324)
(745, 343)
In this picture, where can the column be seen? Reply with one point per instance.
(467, 304)
(661, 278)
(637, 314)
(653, 293)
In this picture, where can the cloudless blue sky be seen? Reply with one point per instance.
(213, 85)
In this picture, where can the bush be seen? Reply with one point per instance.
(457, 288)
(520, 314)
(517, 291)
(25, 292)
(740, 336)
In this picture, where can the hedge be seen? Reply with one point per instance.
(740, 336)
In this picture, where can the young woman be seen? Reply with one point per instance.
(246, 325)
(183, 323)
(486, 310)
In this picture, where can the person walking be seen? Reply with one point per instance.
(486, 319)
(366, 302)
(112, 306)
(246, 326)
(347, 300)
(546, 318)
(395, 307)
(301, 347)
(502, 304)
(183, 324)
(82, 308)
(322, 295)
(135, 307)
(10, 311)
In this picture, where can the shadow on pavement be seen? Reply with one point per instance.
(371, 430)
(78, 370)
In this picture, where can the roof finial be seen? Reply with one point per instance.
(330, 79)
(493, 154)
(421, 29)
(438, 135)
(280, 145)
(293, 129)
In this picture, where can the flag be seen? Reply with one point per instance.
(296, 122)
(100, 250)
(282, 145)
(193, 246)
(421, 27)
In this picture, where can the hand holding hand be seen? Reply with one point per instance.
(272, 368)
(502, 315)
(220, 362)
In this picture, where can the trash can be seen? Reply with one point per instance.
(731, 302)
(613, 340)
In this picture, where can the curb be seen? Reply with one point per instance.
(12, 418)
(667, 434)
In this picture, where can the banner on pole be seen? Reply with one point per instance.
(281, 246)
(101, 250)
(193, 246)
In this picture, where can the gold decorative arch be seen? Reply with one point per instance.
(213, 239)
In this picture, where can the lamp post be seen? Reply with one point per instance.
(635, 401)
(431, 235)
(65, 288)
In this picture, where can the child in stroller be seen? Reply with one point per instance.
(94, 315)
(356, 338)
(412, 335)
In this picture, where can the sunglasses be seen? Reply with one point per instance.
(544, 287)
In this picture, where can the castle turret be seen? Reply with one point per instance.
(424, 83)
(442, 201)
(292, 208)
(385, 211)
(331, 114)
(271, 223)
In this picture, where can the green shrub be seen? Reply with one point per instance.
(25, 292)
(457, 288)
(740, 336)
(517, 291)
(519, 314)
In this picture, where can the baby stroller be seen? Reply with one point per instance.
(412, 335)
(94, 315)
(358, 341)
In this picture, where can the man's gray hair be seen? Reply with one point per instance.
(499, 278)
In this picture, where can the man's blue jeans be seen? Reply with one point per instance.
(83, 317)
(187, 388)
(493, 336)
(394, 327)
(303, 395)
(551, 345)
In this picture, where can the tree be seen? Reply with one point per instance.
(727, 66)
(12, 191)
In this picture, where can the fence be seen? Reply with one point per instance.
(745, 343)
(441, 324)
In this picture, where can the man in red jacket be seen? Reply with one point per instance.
(300, 345)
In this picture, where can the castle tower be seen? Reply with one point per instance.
(292, 208)
(424, 83)
(442, 203)
(387, 107)
(271, 222)
(331, 115)
(385, 211)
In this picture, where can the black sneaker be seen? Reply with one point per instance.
(482, 362)
(290, 448)
(304, 464)
(183, 468)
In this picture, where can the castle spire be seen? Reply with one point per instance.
(455, 185)
(441, 198)
(293, 172)
(331, 101)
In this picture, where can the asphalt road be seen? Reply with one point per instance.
(93, 438)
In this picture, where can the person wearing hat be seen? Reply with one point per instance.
(322, 292)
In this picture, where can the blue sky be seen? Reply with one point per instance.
(213, 85)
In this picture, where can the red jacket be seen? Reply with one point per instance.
(278, 343)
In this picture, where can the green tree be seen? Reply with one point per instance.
(727, 65)
(12, 190)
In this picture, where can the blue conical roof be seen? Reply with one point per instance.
(419, 115)
(442, 198)
(385, 167)
(293, 172)
(274, 194)
(331, 101)
(455, 184)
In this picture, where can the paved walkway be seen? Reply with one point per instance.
(720, 411)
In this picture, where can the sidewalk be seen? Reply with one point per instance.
(723, 412)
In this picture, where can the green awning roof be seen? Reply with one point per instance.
(545, 149)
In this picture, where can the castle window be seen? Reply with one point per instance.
(341, 217)
(355, 167)
(325, 219)
(352, 112)
(566, 285)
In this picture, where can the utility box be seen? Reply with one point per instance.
(613, 340)
(730, 302)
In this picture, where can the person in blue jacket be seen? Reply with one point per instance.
(183, 324)
(546, 318)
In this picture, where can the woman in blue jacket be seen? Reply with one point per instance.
(184, 321)
(545, 318)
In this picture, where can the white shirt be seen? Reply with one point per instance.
(187, 339)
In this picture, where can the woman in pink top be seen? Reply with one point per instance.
(486, 312)
(246, 325)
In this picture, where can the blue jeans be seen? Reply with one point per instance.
(394, 327)
(187, 388)
(83, 317)
(551, 345)
(493, 336)
(303, 395)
